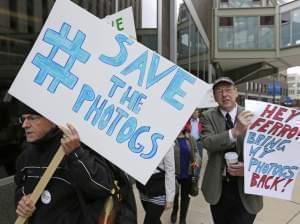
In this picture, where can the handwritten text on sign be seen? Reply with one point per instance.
(272, 150)
(127, 102)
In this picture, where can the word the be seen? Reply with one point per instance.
(110, 118)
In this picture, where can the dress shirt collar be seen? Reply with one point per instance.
(232, 113)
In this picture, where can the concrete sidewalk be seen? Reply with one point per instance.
(275, 211)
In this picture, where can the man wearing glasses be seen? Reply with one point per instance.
(224, 128)
(82, 176)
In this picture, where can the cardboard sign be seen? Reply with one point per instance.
(127, 102)
(210, 100)
(271, 150)
(123, 21)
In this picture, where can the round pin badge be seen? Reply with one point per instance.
(46, 197)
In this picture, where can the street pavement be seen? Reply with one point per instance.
(275, 211)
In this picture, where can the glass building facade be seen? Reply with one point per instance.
(192, 51)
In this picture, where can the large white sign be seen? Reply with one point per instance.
(127, 102)
(271, 150)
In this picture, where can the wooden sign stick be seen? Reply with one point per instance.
(40, 187)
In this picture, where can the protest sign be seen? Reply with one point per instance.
(271, 150)
(127, 102)
(210, 100)
(123, 21)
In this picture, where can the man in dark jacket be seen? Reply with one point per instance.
(78, 189)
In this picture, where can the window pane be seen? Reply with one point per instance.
(145, 19)
(225, 37)
(285, 29)
(240, 3)
(266, 37)
(148, 37)
(183, 43)
(246, 32)
(149, 14)
(285, 35)
(226, 21)
(285, 18)
(296, 26)
(266, 20)
(194, 42)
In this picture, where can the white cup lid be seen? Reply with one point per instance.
(231, 156)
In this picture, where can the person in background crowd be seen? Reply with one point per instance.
(194, 126)
(224, 128)
(155, 205)
(186, 157)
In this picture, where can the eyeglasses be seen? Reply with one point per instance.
(219, 91)
(30, 118)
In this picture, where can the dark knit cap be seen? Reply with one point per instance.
(24, 109)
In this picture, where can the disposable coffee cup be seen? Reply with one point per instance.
(231, 158)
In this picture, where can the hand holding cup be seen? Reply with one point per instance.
(231, 158)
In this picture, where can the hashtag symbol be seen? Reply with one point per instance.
(60, 74)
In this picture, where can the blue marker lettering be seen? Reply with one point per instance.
(154, 138)
(121, 114)
(265, 168)
(281, 145)
(97, 110)
(136, 109)
(254, 150)
(117, 82)
(132, 144)
(251, 137)
(134, 99)
(253, 162)
(260, 138)
(174, 88)
(127, 130)
(152, 78)
(121, 57)
(106, 116)
(138, 64)
(86, 94)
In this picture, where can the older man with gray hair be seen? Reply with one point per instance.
(224, 128)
